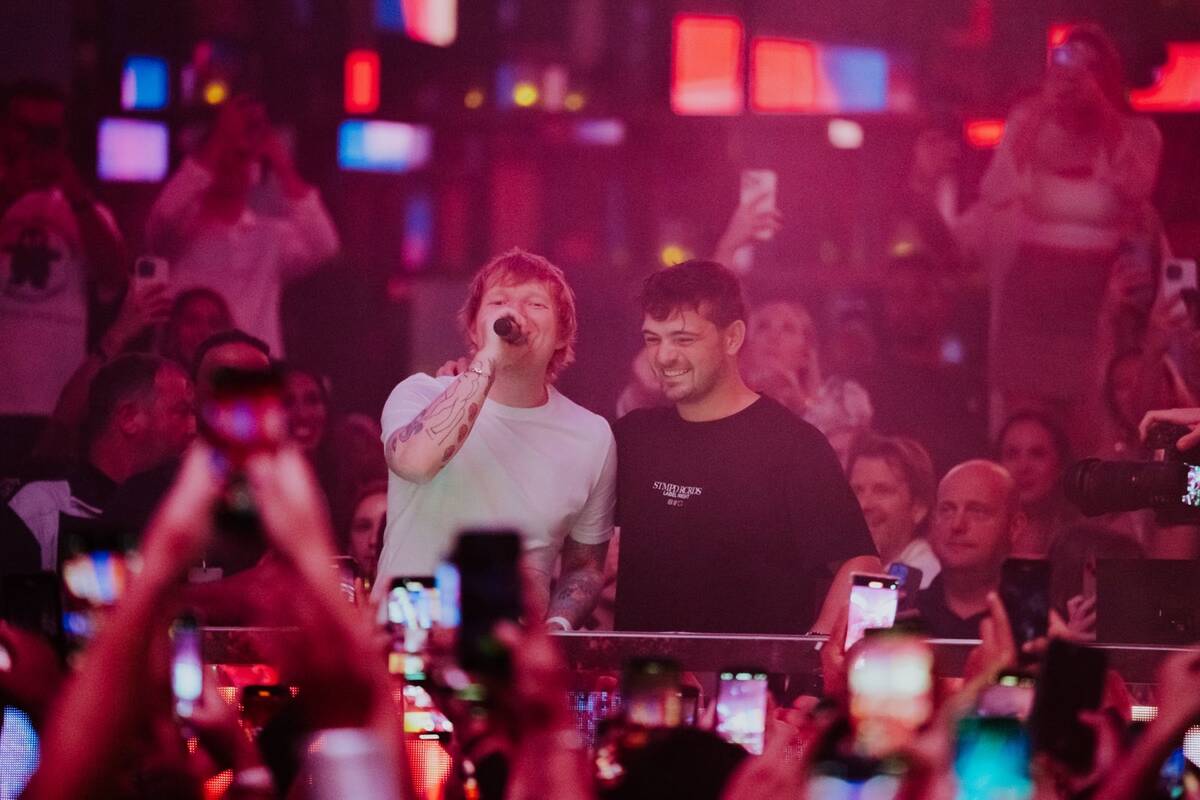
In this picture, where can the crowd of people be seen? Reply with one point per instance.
(754, 465)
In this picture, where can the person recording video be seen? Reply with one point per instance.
(496, 442)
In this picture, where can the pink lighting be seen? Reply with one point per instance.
(706, 65)
(1178, 85)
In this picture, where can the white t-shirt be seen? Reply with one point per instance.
(247, 262)
(43, 303)
(549, 472)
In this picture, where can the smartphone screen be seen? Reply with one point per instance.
(991, 759)
(1025, 591)
(187, 666)
(873, 603)
(245, 413)
(909, 584)
(1191, 496)
(890, 678)
(489, 591)
(651, 693)
(412, 610)
(96, 565)
(742, 708)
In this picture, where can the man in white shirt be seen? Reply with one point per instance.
(57, 243)
(893, 479)
(202, 222)
(497, 446)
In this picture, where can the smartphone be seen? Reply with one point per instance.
(150, 270)
(890, 679)
(873, 603)
(650, 687)
(742, 707)
(187, 665)
(245, 413)
(489, 592)
(95, 567)
(909, 579)
(1010, 696)
(758, 189)
(1072, 680)
(991, 759)
(412, 608)
(261, 702)
(1025, 592)
(1178, 777)
(689, 705)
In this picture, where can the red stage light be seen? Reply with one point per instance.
(1178, 85)
(706, 65)
(362, 82)
(984, 134)
(1058, 33)
(783, 75)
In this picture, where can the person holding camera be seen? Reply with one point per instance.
(203, 225)
(497, 444)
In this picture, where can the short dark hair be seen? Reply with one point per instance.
(221, 338)
(125, 378)
(1058, 436)
(707, 287)
(906, 456)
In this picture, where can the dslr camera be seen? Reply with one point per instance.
(1170, 484)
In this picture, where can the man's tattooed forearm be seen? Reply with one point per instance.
(576, 595)
(448, 417)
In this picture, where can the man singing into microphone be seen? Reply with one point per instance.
(498, 446)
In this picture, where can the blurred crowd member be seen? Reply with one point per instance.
(95, 740)
(195, 315)
(1070, 182)
(916, 390)
(133, 504)
(727, 501)
(202, 223)
(368, 518)
(782, 361)
(139, 415)
(893, 479)
(1035, 451)
(976, 518)
(58, 246)
(58, 447)
(499, 443)
(1073, 557)
(751, 222)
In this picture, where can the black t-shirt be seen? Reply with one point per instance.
(939, 621)
(727, 526)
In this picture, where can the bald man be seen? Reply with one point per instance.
(975, 519)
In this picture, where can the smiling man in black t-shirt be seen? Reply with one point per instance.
(733, 511)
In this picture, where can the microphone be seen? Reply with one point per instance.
(508, 330)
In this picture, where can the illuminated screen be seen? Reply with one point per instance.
(132, 150)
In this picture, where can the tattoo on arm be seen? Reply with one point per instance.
(450, 415)
(580, 583)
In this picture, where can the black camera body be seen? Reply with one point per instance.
(1167, 485)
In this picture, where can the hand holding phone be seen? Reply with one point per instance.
(1025, 592)
(873, 603)
(758, 193)
(742, 708)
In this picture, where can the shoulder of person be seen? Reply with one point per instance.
(581, 418)
(639, 419)
(420, 384)
(38, 497)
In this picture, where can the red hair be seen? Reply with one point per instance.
(516, 267)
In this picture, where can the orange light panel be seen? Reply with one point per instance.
(1178, 85)
(984, 134)
(706, 65)
(783, 75)
(362, 82)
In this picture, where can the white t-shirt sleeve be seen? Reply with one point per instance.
(410, 397)
(594, 523)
